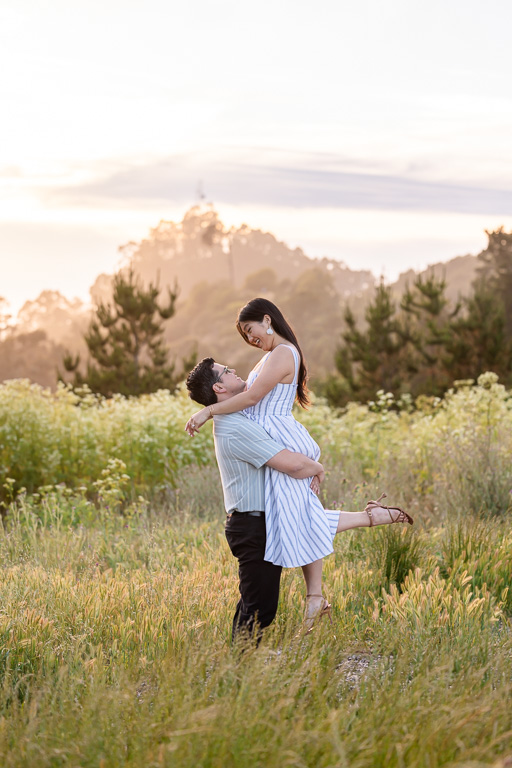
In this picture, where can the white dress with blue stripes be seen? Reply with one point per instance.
(299, 529)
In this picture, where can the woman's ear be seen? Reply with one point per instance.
(267, 319)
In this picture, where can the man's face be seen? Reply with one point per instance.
(227, 379)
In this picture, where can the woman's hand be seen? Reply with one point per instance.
(196, 421)
(315, 485)
(316, 481)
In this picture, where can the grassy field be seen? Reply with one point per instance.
(117, 593)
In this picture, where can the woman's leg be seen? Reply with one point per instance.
(316, 604)
(348, 520)
(313, 571)
(313, 577)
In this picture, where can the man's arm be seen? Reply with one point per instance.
(296, 465)
(248, 441)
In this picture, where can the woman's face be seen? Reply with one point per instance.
(257, 335)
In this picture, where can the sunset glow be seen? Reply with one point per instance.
(378, 134)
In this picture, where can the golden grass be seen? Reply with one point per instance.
(115, 652)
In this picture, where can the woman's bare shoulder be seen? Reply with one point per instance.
(284, 350)
(281, 355)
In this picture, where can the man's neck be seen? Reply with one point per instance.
(223, 398)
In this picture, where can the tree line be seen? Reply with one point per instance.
(422, 344)
(418, 345)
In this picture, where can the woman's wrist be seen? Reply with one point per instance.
(211, 412)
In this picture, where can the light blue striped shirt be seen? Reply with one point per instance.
(242, 448)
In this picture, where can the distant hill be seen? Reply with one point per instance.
(200, 248)
(459, 274)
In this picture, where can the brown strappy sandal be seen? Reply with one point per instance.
(323, 610)
(400, 517)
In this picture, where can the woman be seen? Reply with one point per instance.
(300, 531)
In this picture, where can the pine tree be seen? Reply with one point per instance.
(125, 342)
(495, 268)
(370, 360)
(426, 329)
(478, 340)
(400, 350)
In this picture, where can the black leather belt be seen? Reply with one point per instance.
(252, 513)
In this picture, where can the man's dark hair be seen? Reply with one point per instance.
(200, 382)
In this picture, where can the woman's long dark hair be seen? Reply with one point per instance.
(256, 310)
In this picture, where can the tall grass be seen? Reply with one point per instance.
(115, 651)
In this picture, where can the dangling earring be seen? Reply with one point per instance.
(270, 331)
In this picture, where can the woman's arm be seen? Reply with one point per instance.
(297, 465)
(279, 365)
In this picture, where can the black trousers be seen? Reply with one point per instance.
(259, 580)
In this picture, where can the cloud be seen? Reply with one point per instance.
(11, 172)
(302, 184)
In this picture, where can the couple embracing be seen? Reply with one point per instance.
(270, 471)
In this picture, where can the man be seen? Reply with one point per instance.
(243, 449)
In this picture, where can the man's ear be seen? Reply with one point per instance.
(218, 388)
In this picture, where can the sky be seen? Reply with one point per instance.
(375, 133)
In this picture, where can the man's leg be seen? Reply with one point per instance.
(259, 579)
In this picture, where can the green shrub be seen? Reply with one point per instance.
(47, 439)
